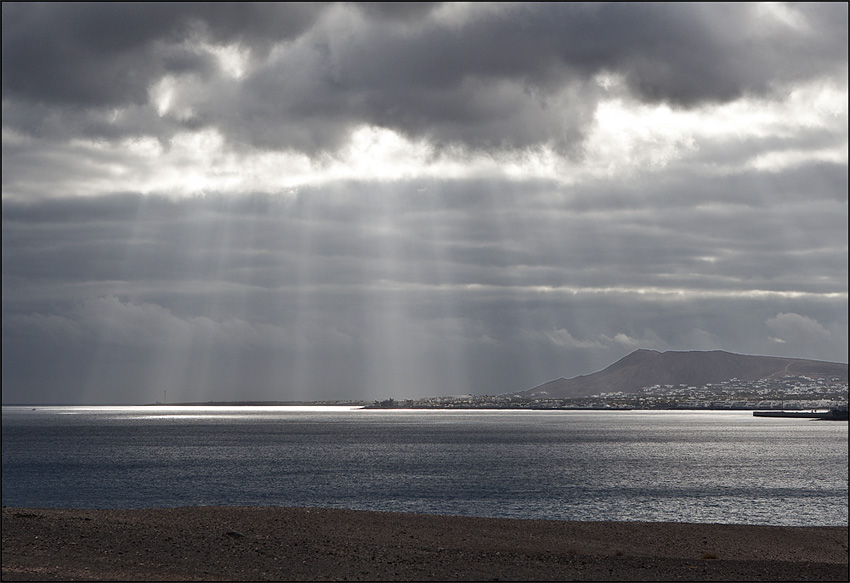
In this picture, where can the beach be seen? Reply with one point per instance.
(271, 543)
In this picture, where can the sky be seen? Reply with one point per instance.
(363, 201)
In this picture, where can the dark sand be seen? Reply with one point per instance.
(248, 543)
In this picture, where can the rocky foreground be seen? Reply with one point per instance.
(248, 543)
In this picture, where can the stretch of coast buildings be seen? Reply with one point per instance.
(797, 392)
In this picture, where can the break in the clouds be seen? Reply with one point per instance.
(321, 201)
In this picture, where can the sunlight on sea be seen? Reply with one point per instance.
(692, 466)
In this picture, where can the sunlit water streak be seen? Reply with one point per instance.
(719, 467)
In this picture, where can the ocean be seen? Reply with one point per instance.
(671, 466)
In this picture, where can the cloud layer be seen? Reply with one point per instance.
(304, 77)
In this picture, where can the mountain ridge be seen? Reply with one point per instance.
(645, 368)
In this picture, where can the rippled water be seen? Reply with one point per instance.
(722, 467)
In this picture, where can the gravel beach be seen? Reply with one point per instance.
(251, 543)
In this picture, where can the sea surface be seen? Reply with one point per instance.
(706, 467)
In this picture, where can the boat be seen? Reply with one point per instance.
(833, 414)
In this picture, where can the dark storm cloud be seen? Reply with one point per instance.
(513, 79)
(503, 77)
(108, 54)
(397, 11)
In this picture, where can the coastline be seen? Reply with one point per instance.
(273, 543)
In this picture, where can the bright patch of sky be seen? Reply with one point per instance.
(626, 137)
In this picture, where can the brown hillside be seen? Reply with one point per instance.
(645, 368)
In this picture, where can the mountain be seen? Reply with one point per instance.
(645, 368)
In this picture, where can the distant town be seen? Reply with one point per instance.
(796, 392)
